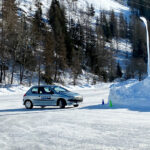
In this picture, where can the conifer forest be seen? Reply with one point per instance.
(70, 39)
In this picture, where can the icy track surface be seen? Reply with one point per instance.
(89, 127)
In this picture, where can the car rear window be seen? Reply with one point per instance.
(34, 90)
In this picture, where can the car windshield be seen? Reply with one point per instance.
(59, 89)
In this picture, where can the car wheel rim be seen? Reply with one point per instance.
(28, 104)
(60, 104)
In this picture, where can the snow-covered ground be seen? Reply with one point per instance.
(89, 127)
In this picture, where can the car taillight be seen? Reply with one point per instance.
(24, 95)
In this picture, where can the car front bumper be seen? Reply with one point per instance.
(74, 101)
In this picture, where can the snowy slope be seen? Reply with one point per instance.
(89, 127)
(104, 5)
(123, 54)
(28, 6)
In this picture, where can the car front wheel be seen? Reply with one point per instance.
(61, 104)
(76, 105)
(28, 104)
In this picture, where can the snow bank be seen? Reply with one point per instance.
(21, 89)
(131, 93)
(84, 82)
(13, 90)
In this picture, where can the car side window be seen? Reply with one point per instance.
(60, 89)
(35, 90)
(44, 90)
(47, 90)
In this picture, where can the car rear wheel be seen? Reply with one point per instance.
(28, 104)
(61, 104)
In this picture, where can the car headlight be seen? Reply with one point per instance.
(78, 97)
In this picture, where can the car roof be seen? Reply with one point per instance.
(52, 86)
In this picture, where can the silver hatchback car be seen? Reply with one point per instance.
(50, 96)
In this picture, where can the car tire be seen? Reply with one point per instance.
(76, 105)
(43, 107)
(61, 104)
(28, 104)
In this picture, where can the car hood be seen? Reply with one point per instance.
(70, 94)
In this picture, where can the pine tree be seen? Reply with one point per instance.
(113, 24)
(89, 37)
(123, 27)
(138, 38)
(137, 65)
(105, 26)
(9, 35)
(104, 62)
(91, 10)
(57, 21)
(38, 27)
(76, 67)
(25, 50)
(79, 41)
(140, 7)
(49, 58)
(119, 72)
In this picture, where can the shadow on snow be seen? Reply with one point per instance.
(18, 111)
(115, 107)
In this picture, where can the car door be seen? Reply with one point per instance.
(36, 96)
(45, 95)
